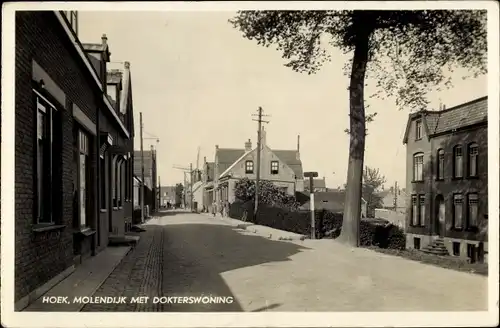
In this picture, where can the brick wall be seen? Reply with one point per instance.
(39, 37)
(449, 185)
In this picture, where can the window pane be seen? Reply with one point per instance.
(473, 210)
(41, 125)
(457, 200)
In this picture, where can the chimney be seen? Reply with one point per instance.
(127, 65)
(444, 107)
(205, 159)
(248, 145)
(104, 39)
(298, 143)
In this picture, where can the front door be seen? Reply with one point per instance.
(441, 215)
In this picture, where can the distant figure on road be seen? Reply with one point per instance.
(221, 208)
(214, 208)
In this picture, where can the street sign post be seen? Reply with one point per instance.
(311, 176)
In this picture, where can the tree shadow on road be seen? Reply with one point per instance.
(195, 256)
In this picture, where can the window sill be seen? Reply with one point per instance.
(103, 210)
(120, 207)
(457, 229)
(85, 232)
(45, 227)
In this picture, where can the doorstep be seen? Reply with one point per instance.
(84, 281)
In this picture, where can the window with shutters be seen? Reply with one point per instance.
(440, 164)
(457, 211)
(458, 162)
(473, 155)
(473, 208)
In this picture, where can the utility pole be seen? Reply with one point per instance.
(311, 176)
(159, 194)
(259, 146)
(142, 170)
(185, 190)
(191, 185)
(395, 196)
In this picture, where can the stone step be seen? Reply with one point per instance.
(435, 251)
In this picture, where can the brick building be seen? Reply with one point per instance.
(60, 103)
(447, 179)
(150, 177)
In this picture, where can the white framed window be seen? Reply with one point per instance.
(421, 214)
(440, 164)
(473, 208)
(83, 176)
(457, 211)
(418, 130)
(44, 160)
(249, 167)
(418, 167)
(275, 167)
(414, 210)
(458, 162)
(473, 155)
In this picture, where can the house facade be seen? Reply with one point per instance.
(150, 177)
(281, 167)
(115, 151)
(61, 108)
(447, 178)
(167, 195)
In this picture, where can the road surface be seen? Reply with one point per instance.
(184, 254)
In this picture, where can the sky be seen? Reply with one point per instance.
(197, 82)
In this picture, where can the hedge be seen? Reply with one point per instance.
(373, 232)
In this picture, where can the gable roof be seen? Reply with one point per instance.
(226, 171)
(289, 157)
(450, 119)
(228, 157)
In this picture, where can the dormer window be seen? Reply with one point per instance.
(418, 130)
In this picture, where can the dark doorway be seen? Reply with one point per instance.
(440, 217)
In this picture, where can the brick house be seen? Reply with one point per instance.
(150, 177)
(282, 167)
(447, 178)
(59, 96)
(116, 150)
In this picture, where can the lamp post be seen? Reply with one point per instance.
(311, 176)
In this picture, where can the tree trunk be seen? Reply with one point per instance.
(352, 206)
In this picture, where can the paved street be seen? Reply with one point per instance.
(184, 254)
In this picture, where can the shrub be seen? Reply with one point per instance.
(373, 232)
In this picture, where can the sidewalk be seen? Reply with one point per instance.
(84, 281)
(265, 231)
